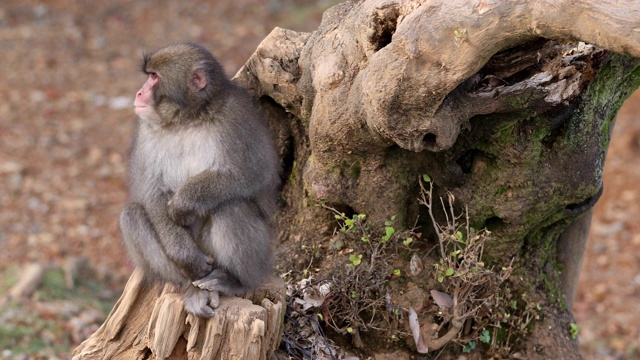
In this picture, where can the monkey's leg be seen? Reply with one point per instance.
(239, 239)
(144, 247)
(178, 243)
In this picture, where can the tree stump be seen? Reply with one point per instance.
(242, 328)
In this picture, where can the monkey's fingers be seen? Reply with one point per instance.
(210, 282)
(203, 312)
(209, 285)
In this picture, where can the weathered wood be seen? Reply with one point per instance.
(149, 321)
(30, 280)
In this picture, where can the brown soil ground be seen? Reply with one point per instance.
(68, 75)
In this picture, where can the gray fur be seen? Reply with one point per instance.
(202, 194)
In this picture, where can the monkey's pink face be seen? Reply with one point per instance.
(144, 104)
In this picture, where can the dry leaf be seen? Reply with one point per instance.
(414, 325)
(415, 266)
(443, 299)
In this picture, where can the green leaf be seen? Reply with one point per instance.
(459, 235)
(574, 330)
(349, 223)
(440, 278)
(469, 347)
(426, 178)
(364, 239)
(355, 259)
(362, 217)
(389, 231)
(353, 294)
(397, 272)
(320, 317)
(449, 272)
(350, 330)
(407, 241)
(485, 337)
(455, 253)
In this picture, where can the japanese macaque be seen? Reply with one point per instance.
(203, 176)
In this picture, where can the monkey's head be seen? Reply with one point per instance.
(183, 80)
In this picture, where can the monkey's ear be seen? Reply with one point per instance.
(198, 79)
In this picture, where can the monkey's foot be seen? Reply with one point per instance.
(222, 281)
(214, 299)
(200, 302)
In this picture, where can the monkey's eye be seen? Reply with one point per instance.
(153, 76)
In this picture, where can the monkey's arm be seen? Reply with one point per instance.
(206, 191)
(176, 243)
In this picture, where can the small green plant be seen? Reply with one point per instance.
(469, 285)
(407, 241)
(348, 224)
(574, 330)
(485, 336)
(358, 300)
(470, 346)
(388, 230)
(355, 259)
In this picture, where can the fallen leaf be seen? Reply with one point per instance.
(414, 325)
(443, 299)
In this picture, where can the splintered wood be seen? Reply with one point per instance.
(149, 322)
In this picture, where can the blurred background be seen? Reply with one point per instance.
(68, 74)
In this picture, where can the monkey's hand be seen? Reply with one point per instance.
(199, 267)
(181, 212)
